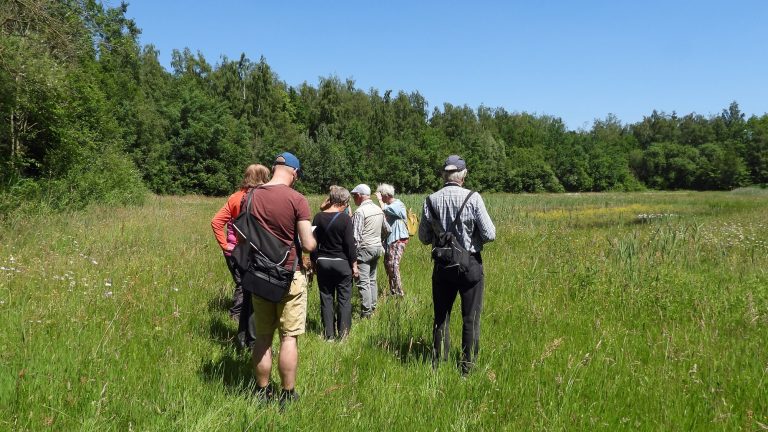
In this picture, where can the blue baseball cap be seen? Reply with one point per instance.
(454, 163)
(290, 160)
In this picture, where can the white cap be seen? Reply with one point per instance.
(361, 189)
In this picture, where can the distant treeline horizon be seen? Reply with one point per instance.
(89, 115)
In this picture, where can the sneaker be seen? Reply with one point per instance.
(288, 397)
(263, 394)
(466, 368)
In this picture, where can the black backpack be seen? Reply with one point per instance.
(447, 250)
(261, 257)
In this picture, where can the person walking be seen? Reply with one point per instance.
(335, 261)
(473, 228)
(367, 221)
(283, 211)
(395, 214)
(221, 224)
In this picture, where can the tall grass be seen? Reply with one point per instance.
(596, 316)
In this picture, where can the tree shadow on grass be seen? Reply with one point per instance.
(233, 371)
(406, 347)
(314, 325)
(222, 332)
(233, 368)
(220, 302)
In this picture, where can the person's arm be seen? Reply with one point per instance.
(358, 223)
(425, 226)
(396, 209)
(326, 204)
(381, 201)
(303, 226)
(483, 221)
(217, 224)
(308, 242)
(348, 244)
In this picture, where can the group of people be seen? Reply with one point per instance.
(346, 246)
(349, 248)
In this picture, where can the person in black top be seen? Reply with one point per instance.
(335, 262)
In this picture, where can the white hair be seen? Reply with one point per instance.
(455, 176)
(386, 189)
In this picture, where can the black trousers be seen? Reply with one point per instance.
(446, 284)
(242, 308)
(334, 279)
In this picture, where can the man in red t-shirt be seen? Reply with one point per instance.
(285, 213)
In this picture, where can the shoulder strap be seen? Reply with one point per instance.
(333, 219)
(434, 214)
(245, 202)
(464, 204)
(453, 225)
(298, 250)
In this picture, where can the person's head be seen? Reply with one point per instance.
(361, 193)
(454, 170)
(387, 192)
(338, 197)
(286, 169)
(255, 175)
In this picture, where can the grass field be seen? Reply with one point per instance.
(644, 311)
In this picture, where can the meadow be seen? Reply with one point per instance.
(640, 311)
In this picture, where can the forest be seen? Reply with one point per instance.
(88, 114)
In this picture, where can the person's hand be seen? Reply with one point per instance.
(378, 196)
(326, 204)
(355, 272)
(230, 247)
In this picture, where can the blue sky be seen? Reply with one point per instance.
(578, 60)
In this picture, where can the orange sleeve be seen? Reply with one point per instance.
(224, 215)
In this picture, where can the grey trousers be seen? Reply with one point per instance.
(369, 293)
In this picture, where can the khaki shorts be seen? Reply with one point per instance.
(289, 316)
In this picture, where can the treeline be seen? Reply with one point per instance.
(87, 114)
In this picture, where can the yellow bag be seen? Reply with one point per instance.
(412, 222)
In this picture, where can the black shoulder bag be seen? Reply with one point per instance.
(261, 257)
(447, 250)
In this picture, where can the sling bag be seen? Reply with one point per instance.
(261, 256)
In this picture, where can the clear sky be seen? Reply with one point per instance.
(578, 60)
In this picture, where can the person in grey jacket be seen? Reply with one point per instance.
(367, 223)
(475, 228)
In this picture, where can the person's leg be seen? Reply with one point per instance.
(344, 300)
(364, 285)
(389, 266)
(374, 287)
(262, 359)
(471, 308)
(325, 282)
(242, 326)
(262, 326)
(237, 296)
(293, 316)
(288, 361)
(396, 283)
(443, 296)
